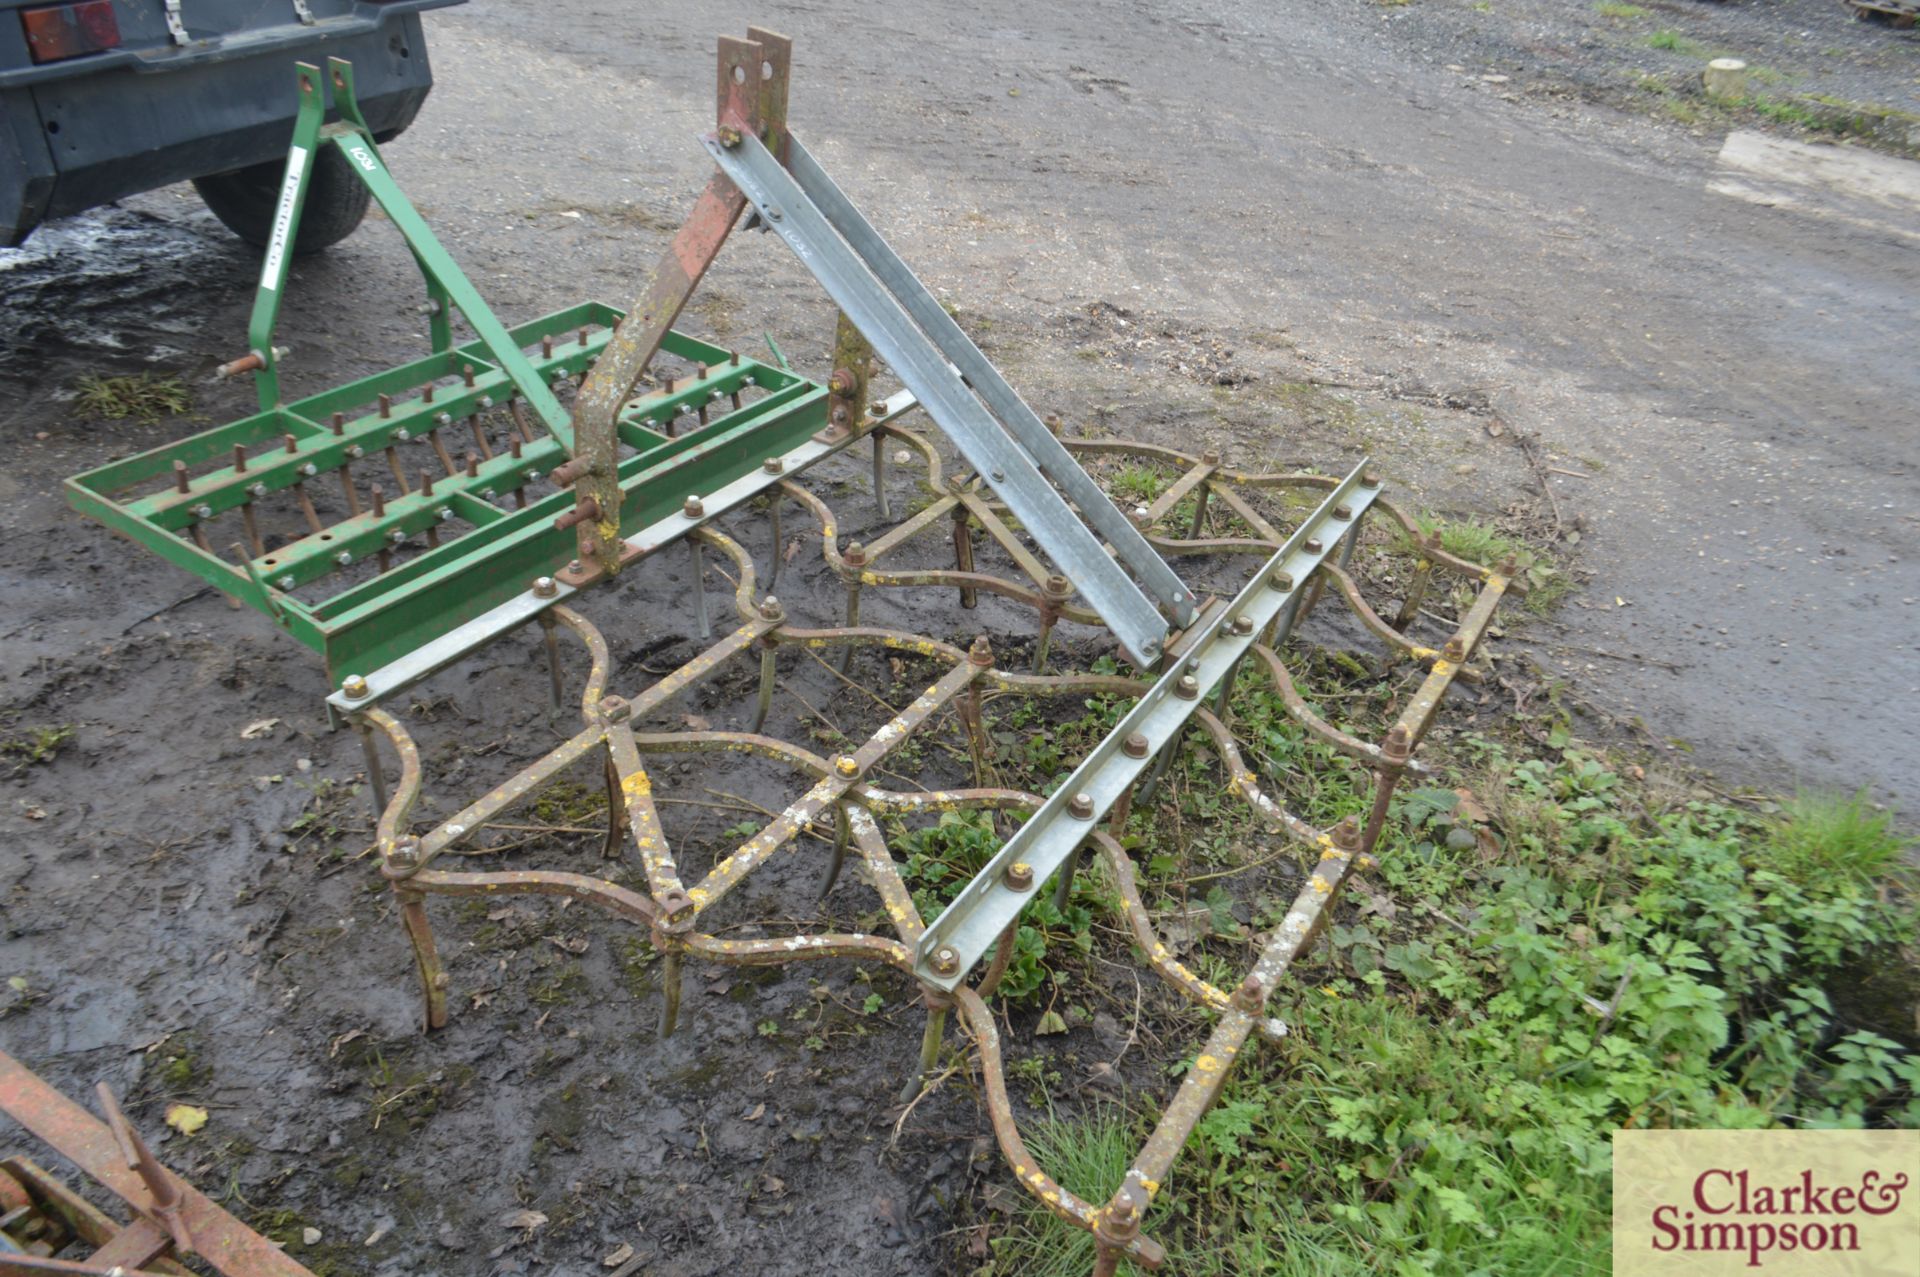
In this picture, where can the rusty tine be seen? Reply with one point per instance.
(480, 438)
(426, 393)
(473, 465)
(399, 473)
(386, 405)
(426, 484)
(239, 458)
(180, 482)
(513, 445)
(338, 422)
(253, 530)
(165, 1194)
(346, 486)
(379, 502)
(546, 348)
(466, 374)
(293, 443)
(583, 337)
(440, 451)
(306, 508)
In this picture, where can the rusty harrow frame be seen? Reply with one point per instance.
(675, 907)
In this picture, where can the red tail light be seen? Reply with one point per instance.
(69, 30)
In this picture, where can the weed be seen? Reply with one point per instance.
(142, 396)
(1614, 9)
(38, 745)
(1674, 42)
(1547, 584)
(1826, 837)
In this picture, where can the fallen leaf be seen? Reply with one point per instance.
(185, 1118)
(258, 728)
(1495, 429)
(695, 723)
(569, 944)
(18, 983)
(1618, 601)
(772, 1185)
(759, 1111)
(1050, 1023)
(618, 1256)
(1469, 808)
(333, 1048)
(310, 1236)
(523, 1218)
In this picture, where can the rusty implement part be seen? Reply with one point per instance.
(850, 802)
(170, 1215)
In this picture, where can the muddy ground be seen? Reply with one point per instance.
(1287, 230)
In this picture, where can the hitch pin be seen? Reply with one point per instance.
(249, 362)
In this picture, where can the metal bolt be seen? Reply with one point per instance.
(855, 555)
(773, 465)
(397, 536)
(573, 566)
(1369, 479)
(1399, 745)
(1211, 457)
(981, 652)
(545, 587)
(403, 434)
(444, 513)
(1057, 584)
(1343, 512)
(1455, 651)
(1281, 581)
(258, 490)
(309, 469)
(343, 558)
(486, 401)
(1188, 688)
(878, 407)
(405, 853)
(1019, 876)
(693, 509)
(286, 582)
(1315, 545)
(203, 511)
(847, 766)
(355, 451)
(615, 709)
(771, 610)
(355, 687)
(1080, 807)
(1135, 745)
(946, 959)
(443, 418)
(1243, 625)
(773, 213)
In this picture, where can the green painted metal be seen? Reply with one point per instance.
(162, 498)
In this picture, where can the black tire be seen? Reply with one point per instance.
(245, 201)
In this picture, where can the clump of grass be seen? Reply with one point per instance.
(1089, 1156)
(1470, 539)
(1674, 42)
(37, 745)
(1829, 836)
(1611, 9)
(144, 397)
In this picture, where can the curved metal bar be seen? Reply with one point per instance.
(596, 645)
(744, 585)
(398, 813)
(1074, 1210)
(1303, 714)
(630, 905)
(731, 742)
(1159, 957)
(1248, 784)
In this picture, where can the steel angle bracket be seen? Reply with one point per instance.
(1001, 438)
(988, 905)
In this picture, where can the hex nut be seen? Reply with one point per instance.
(694, 508)
(1281, 581)
(1243, 624)
(1315, 545)
(946, 959)
(1135, 745)
(545, 587)
(405, 853)
(1343, 512)
(355, 687)
(1019, 876)
(1188, 688)
(773, 465)
(847, 766)
(1080, 807)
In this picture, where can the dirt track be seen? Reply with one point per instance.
(1387, 256)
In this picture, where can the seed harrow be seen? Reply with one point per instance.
(645, 458)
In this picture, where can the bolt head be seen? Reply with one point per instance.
(615, 709)
(878, 407)
(443, 418)
(203, 511)
(946, 959)
(1315, 545)
(1211, 457)
(847, 766)
(1135, 745)
(855, 553)
(770, 608)
(355, 687)
(1343, 512)
(573, 565)
(1057, 584)
(1188, 688)
(309, 469)
(694, 508)
(403, 434)
(773, 465)
(258, 490)
(1080, 807)
(1019, 876)
(1369, 479)
(1243, 625)
(343, 558)
(286, 582)
(405, 853)
(545, 587)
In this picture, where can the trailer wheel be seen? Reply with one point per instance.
(245, 200)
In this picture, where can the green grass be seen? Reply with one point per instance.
(1613, 9)
(1832, 836)
(1547, 584)
(1674, 42)
(144, 397)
